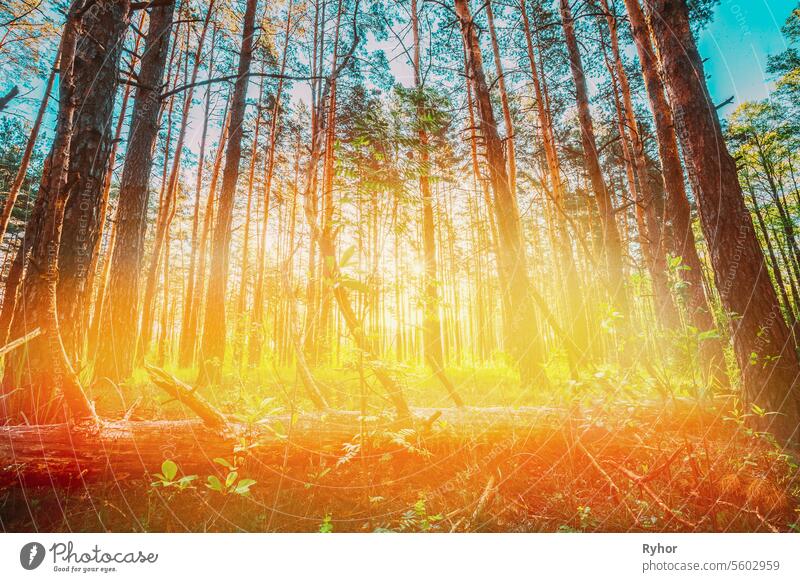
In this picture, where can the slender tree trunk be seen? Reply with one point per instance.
(240, 320)
(501, 84)
(189, 317)
(115, 359)
(196, 299)
(256, 334)
(679, 236)
(521, 337)
(327, 247)
(612, 246)
(576, 308)
(646, 201)
(776, 266)
(431, 325)
(44, 366)
(214, 329)
(763, 345)
(328, 174)
(168, 207)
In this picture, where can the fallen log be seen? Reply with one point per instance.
(111, 451)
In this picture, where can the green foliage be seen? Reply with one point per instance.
(232, 484)
(327, 524)
(13, 140)
(168, 477)
(416, 519)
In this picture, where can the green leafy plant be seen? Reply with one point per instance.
(168, 477)
(417, 518)
(232, 484)
(327, 524)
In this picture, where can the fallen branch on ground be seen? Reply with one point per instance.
(11, 346)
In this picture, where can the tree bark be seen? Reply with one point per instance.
(240, 318)
(521, 340)
(612, 245)
(97, 57)
(431, 324)
(60, 453)
(679, 236)
(763, 345)
(43, 366)
(501, 85)
(576, 307)
(651, 236)
(190, 326)
(214, 329)
(169, 202)
(115, 358)
(256, 336)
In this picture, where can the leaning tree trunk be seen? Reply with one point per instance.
(43, 367)
(763, 345)
(501, 85)
(324, 238)
(647, 199)
(214, 331)
(575, 301)
(97, 57)
(608, 223)
(521, 337)
(679, 236)
(115, 358)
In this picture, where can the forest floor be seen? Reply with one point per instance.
(606, 463)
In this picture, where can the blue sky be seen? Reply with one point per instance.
(737, 43)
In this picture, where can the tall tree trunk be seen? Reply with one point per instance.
(646, 202)
(328, 174)
(101, 285)
(43, 366)
(431, 325)
(612, 246)
(214, 330)
(192, 323)
(169, 203)
(256, 336)
(97, 58)
(679, 236)
(327, 246)
(240, 319)
(189, 317)
(763, 345)
(501, 85)
(776, 266)
(576, 307)
(115, 359)
(521, 338)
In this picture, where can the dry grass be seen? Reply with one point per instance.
(614, 474)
